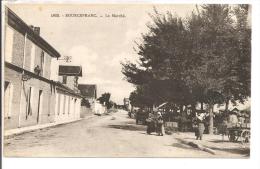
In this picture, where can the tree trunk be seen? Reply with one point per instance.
(227, 105)
(211, 119)
(193, 108)
(181, 112)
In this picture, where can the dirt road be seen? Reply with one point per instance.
(113, 135)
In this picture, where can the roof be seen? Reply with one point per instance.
(18, 24)
(235, 110)
(70, 70)
(67, 89)
(161, 105)
(88, 90)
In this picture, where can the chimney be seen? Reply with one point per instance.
(31, 26)
(37, 30)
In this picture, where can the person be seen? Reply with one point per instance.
(201, 127)
(150, 124)
(160, 124)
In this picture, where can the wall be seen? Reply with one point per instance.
(70, 81)
(15, 79)
(19, 103)
(17, 40)
(67, 107)
(50, 103)
(84, 112)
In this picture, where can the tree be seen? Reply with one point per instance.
(195, 61)
(104, 99)
(160, 66)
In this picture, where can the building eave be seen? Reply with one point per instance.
(18, 24)
(33, 75)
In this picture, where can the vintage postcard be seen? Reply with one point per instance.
(126, 80)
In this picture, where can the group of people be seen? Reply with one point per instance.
(155, 123)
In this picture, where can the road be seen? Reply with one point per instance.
(113, 135)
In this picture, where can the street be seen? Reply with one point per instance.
(113, 135)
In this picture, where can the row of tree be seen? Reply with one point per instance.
(204, 58)
(105, 100)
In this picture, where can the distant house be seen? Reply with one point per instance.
(68, 76)
(127, 104)
(69, 105)
(88, 91)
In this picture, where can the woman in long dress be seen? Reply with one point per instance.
(160, 124)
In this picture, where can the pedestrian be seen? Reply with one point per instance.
(201, 127)
(150, 124)
(160, 124)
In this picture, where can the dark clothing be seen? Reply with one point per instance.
(160, 126)
(199, 131)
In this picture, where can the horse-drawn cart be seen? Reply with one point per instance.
(239, 132)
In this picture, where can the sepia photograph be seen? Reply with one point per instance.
(126, 80)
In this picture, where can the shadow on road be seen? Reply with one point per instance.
(242, 151)
(128, 127)
(183, 146)
(220, 141)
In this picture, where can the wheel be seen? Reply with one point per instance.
(245, 136)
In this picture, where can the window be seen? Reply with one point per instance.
(32, 57)
(42, 63)
(64, 79)
(9, 38)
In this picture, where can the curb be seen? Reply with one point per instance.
(198, 146)
(18, 131)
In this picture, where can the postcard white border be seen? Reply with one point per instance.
(155, 163)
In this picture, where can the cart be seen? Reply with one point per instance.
(239, 133)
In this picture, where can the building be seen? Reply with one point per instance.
(69, 75)
(31, 97)
(127, 104)
(89, 103)
(68, 107)
(88, 91)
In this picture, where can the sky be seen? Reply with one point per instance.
(98, 44)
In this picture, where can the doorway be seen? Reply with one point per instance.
(39, 106)
(8, 99)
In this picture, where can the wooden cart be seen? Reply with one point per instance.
(239, 133)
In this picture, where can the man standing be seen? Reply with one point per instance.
(201, 127)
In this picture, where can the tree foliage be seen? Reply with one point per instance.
(203, 58)
(105, 99)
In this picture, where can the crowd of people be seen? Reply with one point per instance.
(155, 123)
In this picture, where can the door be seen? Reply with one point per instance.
(8, 99)
(39, 106)
(28, 103)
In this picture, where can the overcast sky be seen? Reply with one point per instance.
(97, 44)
